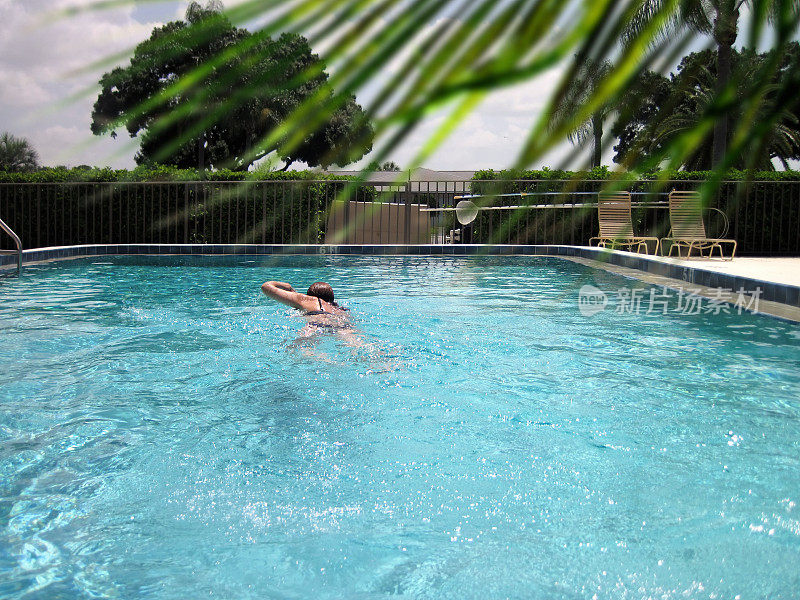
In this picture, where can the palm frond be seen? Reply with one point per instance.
(700, 14)
(488, 47)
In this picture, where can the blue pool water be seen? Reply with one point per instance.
(161, 436)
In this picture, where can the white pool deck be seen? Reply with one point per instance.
(773, 270)
(785, 271)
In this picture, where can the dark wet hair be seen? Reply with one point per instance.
(323, 291)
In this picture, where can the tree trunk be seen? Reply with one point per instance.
(720, 145)
(287, 165)
(597, 131)
(726, 26)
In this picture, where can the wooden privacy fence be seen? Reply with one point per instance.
(763, 216)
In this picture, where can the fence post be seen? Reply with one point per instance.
(185, 213)
(346, 227)
(110, 196)
(39, 216)
(407, 215)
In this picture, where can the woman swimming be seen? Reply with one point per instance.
(318, 304)
(323, 315)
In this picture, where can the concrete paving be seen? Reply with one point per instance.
(775, 270)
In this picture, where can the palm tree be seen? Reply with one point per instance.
(781, 142)
(720, 20)
(590, 75)
(16, 154)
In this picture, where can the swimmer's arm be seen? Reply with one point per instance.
(284, 292)
(278, 284)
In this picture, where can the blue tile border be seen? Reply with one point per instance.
(775, 292)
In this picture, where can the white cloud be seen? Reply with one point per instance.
(21, 89)
(40, 54)
(493, 135)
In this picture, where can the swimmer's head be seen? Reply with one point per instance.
(321, 290)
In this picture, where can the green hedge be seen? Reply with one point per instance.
(604, 173)
(160, 173)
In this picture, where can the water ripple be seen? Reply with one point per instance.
(162, 435)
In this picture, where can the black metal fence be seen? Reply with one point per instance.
(763, 216)
(59, 214)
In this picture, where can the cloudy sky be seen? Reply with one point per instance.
(46, 91)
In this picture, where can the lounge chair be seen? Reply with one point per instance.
(688, 230)
(616, 226)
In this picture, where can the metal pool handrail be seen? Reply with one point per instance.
(18, 243)
(645, 204)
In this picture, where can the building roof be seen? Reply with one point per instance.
(418, 180)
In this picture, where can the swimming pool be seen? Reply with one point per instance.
(162, 436)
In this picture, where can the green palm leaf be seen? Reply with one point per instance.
(488, 46)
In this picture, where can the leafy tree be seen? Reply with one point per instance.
(644, 103)
(687, 98)
(16, 154)
(582, 87)
(202, 92)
